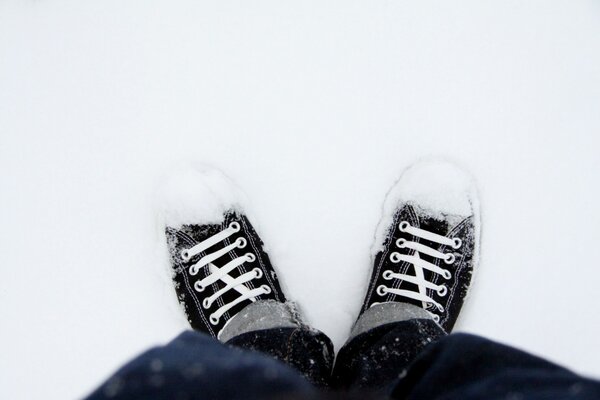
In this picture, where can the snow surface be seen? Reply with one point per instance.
(438, 186)
(314, 108)
(197, 195)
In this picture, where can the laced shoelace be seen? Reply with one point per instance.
(222, 274)
(419, 265)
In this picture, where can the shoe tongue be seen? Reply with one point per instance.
(437, 222)
(434, 225)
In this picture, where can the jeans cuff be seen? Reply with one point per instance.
(260, 315)
(385, 313)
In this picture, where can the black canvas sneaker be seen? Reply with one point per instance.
(218, 260)
(427, 242)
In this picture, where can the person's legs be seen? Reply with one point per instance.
(377, 353)
(224, 278)
(415, 359)
(426, 251)
(461, 366)
(196, 366)
(276, 329)
(245, 329)
(308, 351)
(424, 254)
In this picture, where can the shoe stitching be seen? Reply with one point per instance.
(459, 268)
(289, 344)
(376, 272)
(258, 252)
(214, 286)
(190, 241)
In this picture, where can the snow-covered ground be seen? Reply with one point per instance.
(314, 108)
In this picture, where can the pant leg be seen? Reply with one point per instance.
(415, 359)
(278, 330)
(306, 350)
(465, 367)
(374, 359)
(196, 366)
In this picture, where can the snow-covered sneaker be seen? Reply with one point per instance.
(219, 264)
(426, 244)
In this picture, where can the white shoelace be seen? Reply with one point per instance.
(222, 274)
(419, 265)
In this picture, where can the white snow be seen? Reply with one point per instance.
(437, 186)
(314, 108)
(198, 194)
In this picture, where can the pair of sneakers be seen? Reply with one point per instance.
(424, 253)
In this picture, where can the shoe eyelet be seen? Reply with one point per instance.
(185, 255)
(403, 226)
(395, 257)
(381, 290)
(456, 243)
(258, 272)
(436, 318)
(193, 271)
(250, 257)
(450, 258)
(235, 226)
(401, 243)
(446, 274)
(199, 287)
(213, 320)
(442, 291)
(266, 289)
(206, 303)
(241, 243)
(387, 275)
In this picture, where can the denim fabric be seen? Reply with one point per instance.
(466, 367)
(374, 359)
(308, 351)
(402, 360)
(197, 366)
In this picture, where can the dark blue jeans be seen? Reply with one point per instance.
(404, 360)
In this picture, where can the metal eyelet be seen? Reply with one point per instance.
(241, 243)
(450, 258)
(381, 290)
(403, 226)
(199, 287)
(387, 275)
(456, 243)
(266, 289)
(235, 226)
(442, 291)
(206, 304)
(185, 255)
